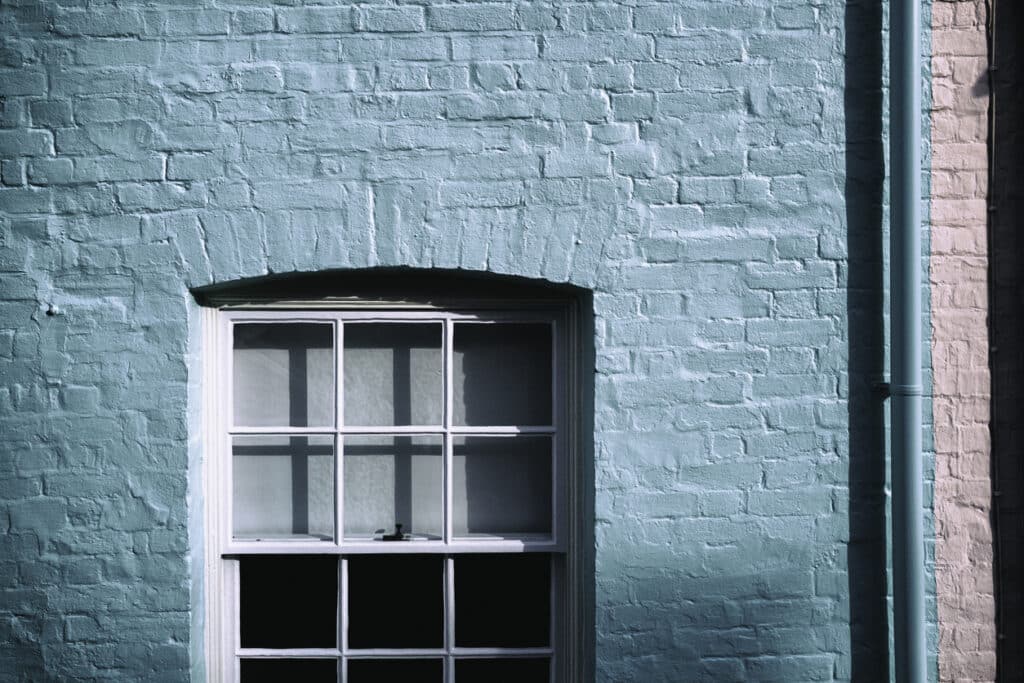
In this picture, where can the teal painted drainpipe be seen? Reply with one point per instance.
(905, 292)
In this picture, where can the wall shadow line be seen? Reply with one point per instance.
(1006, 325)
(865, 299)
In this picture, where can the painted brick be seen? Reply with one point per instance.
(194, 167)
(20, 82)
(477, 17)
(26, 143)
(558, 165)
(481, 194)
(391, 19)
(206, 22)
(702, 47)
(50, 171)
(108, 169)
(598, 48)
(315, 20)
(51, 114)
(12, 172)
(494, 48)
(110, 22)
(252, 21)
(685, 162)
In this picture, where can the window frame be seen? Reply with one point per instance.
(222, 551)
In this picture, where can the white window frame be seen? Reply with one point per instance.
(221, 567)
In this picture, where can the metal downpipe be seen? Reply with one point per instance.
(906, 339)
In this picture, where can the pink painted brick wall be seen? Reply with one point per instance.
(959, 291)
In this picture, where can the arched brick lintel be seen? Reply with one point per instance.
(558, 247)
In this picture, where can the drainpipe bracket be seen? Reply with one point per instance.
(905, 390)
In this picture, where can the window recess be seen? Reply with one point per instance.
(387, 494)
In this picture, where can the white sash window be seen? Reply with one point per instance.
(390, 494)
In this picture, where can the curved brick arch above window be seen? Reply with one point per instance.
(538, 243)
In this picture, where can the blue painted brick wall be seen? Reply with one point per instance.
(687, 161)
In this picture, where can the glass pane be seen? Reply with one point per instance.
(392, 374)
(502, 670)
(501, 485)
(395, 601)
(288, 601)
(398, 670)
(283, 375)
(277, 670)
(283, 486)
(393, 480)
(502, 374)
(503, 600)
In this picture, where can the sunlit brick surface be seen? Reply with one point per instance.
(960, 343)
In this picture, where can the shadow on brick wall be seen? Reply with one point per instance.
(1006, 328)
(865, 178)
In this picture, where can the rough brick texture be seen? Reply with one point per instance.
(959, 277)
(687, 161)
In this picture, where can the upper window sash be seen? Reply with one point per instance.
(451, 542)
